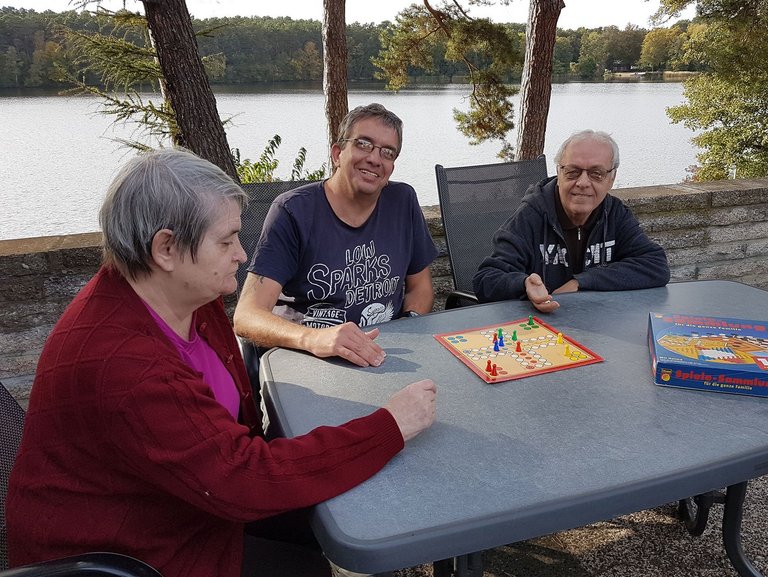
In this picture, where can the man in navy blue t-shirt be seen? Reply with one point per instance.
(343, 254)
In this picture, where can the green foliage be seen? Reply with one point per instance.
(562, 56)
(733, 118)
(491, 113)
(117, 55)
(488, 53)
(661, 46)
(29, 49)
(235, 50)
(622, 47)
(241, 50)
(592, 55)
(263, 170)
(728, 102)
(120, 57)
(116, 63)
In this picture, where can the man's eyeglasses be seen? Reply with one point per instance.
(570, 172)
(367, 146)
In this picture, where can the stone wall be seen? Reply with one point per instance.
(712, 230)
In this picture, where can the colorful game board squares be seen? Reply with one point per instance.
(542, 350)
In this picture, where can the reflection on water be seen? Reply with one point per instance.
(58, 157)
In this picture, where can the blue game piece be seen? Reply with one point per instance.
(496, 346)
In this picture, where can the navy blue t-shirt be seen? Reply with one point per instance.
(331, 272)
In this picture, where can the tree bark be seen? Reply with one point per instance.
(536, 84)
(334, 67)
(188, 90)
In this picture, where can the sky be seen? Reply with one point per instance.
(587, 13)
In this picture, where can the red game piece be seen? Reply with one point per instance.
(494, 372)
(518, 348)
(488, 366)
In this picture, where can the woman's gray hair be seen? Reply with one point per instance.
(595, 135)
(165, 188)
(377, 111)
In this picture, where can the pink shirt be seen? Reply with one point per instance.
(198, 354)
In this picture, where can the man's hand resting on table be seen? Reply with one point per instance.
(347, 341)
(414, 407)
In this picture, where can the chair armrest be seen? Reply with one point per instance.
(88, 564)
(251, 356)
(457, 299)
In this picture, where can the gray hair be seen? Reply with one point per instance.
(376, 111)
(597, 136)
(164, 188)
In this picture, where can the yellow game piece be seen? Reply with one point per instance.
(559, 338)
(567, 351)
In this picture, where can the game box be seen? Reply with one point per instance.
(724, 355)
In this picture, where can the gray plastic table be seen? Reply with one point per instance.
(515, 460)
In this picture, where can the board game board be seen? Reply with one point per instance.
(709, 353)
(515, 350)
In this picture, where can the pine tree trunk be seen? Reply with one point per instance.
(188, 90)
(536, 84)
(334, 66)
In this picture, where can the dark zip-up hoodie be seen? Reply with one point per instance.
(619, 255)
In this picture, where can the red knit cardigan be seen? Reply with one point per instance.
(125, 448)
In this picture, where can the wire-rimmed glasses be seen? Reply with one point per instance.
(571, 172)
(367, 146)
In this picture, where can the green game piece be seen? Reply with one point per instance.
(501, 333)
(514, 335)
(530, 319)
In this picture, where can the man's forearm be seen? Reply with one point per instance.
(266, 329)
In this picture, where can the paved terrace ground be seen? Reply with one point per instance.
(716, 230)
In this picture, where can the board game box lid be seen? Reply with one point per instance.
(713, 353)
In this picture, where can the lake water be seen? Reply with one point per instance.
(58, 156)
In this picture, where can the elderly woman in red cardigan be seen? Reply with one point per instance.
(142, 436)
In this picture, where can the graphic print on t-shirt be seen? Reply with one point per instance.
(323, 315)
(364, 281)
(377, 313)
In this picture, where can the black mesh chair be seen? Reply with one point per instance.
(90, 564)
(261, 195)
(475, 201)
(11, 427)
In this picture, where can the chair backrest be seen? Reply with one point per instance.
(261, 195)
(11, 427)
(475, 201)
